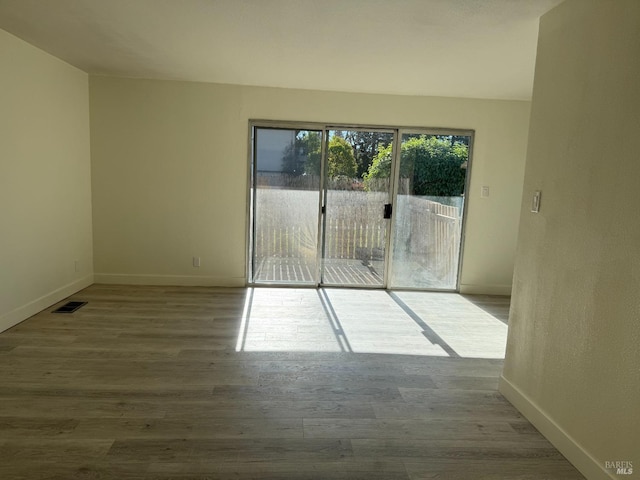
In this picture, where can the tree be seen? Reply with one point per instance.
(341, 159)
(302, 156)
(365, 147)
(379, 169)
(435, 165)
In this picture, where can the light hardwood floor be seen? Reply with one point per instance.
(201, 383)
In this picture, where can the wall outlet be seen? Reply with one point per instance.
(196, 262)
(484, 192)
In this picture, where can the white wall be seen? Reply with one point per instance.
(573, 353)
(45, 186)
(170, 166)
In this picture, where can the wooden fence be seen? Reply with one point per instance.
(427, 236)
(355, 227)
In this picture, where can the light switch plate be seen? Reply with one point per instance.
(484, 192)
(535, 202)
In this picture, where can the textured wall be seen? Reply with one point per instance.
(574, 333)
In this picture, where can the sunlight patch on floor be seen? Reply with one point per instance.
(287, 320)
(368, 321)
(466, 328)
(374, 323)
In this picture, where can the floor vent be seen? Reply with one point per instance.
(69, 307)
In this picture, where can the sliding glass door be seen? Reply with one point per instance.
(285, 200)
(432, 175)
(357, 207)
(356, 227)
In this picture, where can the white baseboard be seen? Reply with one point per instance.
(485, 289)
(20, 314)
(572, 450)
(169, 280)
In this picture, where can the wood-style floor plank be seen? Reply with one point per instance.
(173, 383)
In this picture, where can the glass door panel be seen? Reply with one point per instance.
(286, 200)
(357, 188)
(428, 211)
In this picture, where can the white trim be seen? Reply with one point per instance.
(485, 289)
(20, 314)
(567, 445)
(169, 280)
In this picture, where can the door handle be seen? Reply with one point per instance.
(388, 209)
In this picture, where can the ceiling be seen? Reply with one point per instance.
(458, 48)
